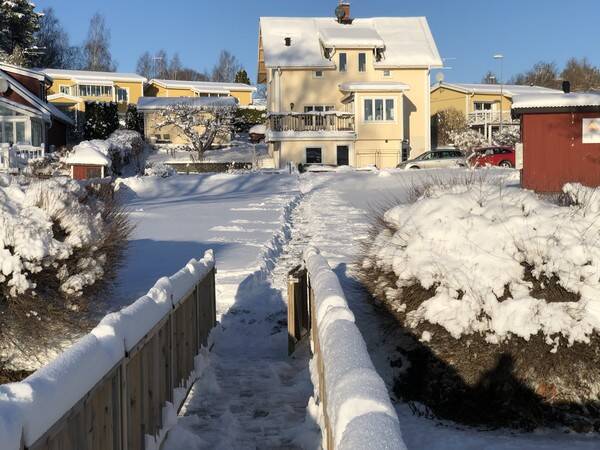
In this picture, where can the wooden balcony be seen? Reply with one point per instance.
(489, 117)
(331, 121)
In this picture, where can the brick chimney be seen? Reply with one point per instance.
(344, 8)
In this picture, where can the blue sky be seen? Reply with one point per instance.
(470, 31)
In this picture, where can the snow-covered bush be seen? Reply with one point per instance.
(467, 140)
(446, 122)
(130, 145)
(498, 293)
(159, 169)
(509, 136)
(59, 243)
(246, 118)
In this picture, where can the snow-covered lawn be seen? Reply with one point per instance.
(253, 395)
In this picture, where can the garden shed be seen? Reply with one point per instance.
(87, 162)
(561, 140)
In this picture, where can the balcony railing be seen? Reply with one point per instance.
(489, 117)
(312, 121)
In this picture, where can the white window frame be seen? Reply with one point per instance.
(387, 73)
(95, 90)
(126, 89)
(343, 68)
(66, 87)
(317, 76)
(359, 65)
(385, 118)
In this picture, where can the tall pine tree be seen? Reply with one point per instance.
(242, 77)
(18, 24)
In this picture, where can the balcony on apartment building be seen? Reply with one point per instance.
(310, 124)
(489, 117)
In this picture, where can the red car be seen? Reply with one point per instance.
(493, 156)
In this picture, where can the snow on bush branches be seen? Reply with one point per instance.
(58, 242)
(473, 245)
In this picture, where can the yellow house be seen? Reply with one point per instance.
(179, 88)
(347, 91)
(485, 106)
(72, 88)
(151, 108)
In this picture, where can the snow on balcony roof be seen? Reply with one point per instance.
(92, 75)
(357, 37)
(408, 41)
(510, 90)
(572, 100)
(378, 86)
(204, 86)
(157, 103)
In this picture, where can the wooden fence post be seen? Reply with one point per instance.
(298, 315)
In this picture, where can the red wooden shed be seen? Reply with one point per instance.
(561, 140)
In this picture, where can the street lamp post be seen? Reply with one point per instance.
(501, 58)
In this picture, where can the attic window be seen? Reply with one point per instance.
(288, 41)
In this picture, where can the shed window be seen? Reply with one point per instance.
(313, 155)
(362, 62)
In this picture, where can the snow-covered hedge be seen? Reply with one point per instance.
(34, 405)
(358, 404)
(159, 169)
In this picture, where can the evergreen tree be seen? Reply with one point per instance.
(134, 120)
(18, 24)
(242, 77)
(101, 119)
(97, 46)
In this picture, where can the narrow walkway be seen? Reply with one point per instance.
(252, 395)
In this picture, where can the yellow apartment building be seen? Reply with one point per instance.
(179, 88)
(70, 89)
(343, 91)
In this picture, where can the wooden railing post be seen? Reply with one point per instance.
(298, 315)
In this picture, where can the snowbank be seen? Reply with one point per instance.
(356, 394)
(90, 152)
(473, 243)
(34, 405)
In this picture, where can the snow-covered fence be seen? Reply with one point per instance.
(120, 386)
(355, 408)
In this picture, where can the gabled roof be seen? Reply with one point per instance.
(48, 110)
(87, 75)
(509, 90)
(36, 74)
(407, 41)
(204, 86)
(157, 103)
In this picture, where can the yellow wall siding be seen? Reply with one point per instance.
(443, 98)
(154, 90)
(301, 88)
(244, 98)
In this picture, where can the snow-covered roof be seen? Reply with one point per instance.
(377, 86)
(509, 90)
(33, 73)
(358, 37)
(157, 103)
(407, 40)
(47, 110)
(204, 86)
(87, 153)
(89, 76)
(572, 100)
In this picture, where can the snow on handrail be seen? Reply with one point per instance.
(29, 409)
(356, 404)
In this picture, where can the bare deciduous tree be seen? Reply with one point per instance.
(200, 124)
(226, 68)
(97, 46)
